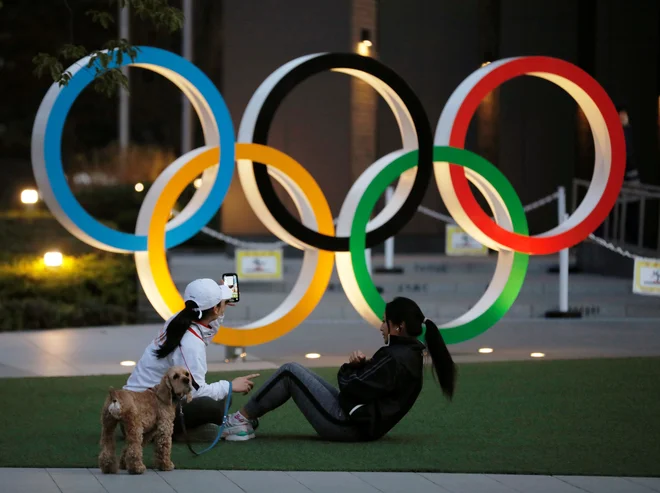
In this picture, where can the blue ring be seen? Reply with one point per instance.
(55, 171)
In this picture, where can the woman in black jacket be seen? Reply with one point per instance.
(373, 394)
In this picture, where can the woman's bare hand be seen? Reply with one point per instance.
(356, 357)
(243, 384)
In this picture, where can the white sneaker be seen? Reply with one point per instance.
(237, 429)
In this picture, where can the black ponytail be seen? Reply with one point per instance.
(177, 328)
(443, 365)
(401, 310)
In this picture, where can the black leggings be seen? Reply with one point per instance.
(200, 411)
(316, 399)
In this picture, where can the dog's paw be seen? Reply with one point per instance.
(166, 466)
(108, 466)
(138, 469)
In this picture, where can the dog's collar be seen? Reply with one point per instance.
(173, 400)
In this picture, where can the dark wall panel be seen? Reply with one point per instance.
(537, 120)
(627, 66)
(433, 46)
(313, 124)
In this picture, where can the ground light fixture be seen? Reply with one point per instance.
(29, 196)
(53, 259)
(139, 187)
(486, 350)
(312, 356)
(127, 363)
(197, 183)
(537, 355)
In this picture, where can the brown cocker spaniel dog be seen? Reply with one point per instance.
(144, 416)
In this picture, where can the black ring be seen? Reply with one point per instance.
(424, 138)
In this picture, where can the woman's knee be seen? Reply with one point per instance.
(292, 367)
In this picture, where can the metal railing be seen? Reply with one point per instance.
(638, 199)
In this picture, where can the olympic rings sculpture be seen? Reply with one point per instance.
(421, 157)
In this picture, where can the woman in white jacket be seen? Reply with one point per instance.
(182, 342)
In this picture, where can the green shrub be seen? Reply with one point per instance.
(91, 288)
(35, 234)
(94, 289)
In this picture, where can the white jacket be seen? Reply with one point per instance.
(190, 354)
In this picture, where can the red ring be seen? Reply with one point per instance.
(531, 244)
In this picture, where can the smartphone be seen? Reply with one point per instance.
(231, 281)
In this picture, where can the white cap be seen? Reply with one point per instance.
(206, 293)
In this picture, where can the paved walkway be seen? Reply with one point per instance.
(97, 351)
(92, 481)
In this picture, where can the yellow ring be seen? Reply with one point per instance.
(160, 272)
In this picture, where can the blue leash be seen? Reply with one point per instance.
(220, 430)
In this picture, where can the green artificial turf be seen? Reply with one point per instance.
(589, 417)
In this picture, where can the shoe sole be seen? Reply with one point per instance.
(239, 438)
(238, 433)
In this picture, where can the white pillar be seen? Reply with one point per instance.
(187, 49)
(563, 254)
(124, 110)
(389, 243)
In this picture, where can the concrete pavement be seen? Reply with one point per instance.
(97, 351)
(187, 481)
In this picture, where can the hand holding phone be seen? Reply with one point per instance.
(231, 281)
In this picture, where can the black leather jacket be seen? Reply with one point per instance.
(387, 386)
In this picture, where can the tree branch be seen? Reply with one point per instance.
(107, 78)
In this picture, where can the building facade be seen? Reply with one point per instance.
(531, 130)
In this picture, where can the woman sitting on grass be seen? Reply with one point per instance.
(373, 394)
(183, 342)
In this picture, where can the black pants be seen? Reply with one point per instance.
(200, 411)
(316, 399)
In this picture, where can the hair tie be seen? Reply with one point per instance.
(199, 311)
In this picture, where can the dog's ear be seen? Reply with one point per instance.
(164, 390)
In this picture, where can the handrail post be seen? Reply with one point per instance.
(563, 311)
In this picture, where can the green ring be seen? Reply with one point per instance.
(511, 200)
